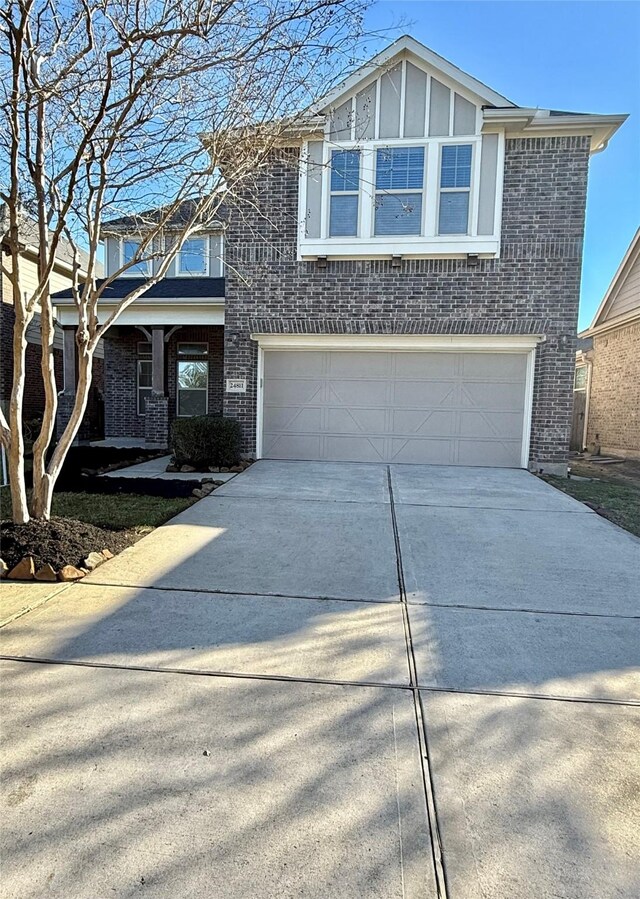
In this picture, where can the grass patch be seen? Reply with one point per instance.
(619, 503)
(115, 512)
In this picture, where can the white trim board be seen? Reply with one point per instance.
(398, 342)
(171, 313)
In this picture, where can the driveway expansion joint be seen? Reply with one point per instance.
(328, 682)
(213, 592)
(435, 838)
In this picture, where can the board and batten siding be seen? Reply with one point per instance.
(402, 110)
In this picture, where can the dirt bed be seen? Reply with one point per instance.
(59, 542)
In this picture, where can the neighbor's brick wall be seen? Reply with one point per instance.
(532, 289)
(121, 355)
(614, 404)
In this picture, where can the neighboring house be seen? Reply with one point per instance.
(606, 384)
(401, 284)
(61, 278)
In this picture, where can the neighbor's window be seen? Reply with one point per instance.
(193, 380)
(144, 379)
(580, 378)
(193, 258)
(130, 248)
(345, 188)
(455, 189)
(399, 190)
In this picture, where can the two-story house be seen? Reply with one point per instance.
(401, 285)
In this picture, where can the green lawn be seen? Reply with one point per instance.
(116, 512)
(621, 503)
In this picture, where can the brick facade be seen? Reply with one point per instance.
(121, 356)
(532, 289)
(614, 399)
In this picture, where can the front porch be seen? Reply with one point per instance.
(154, 374)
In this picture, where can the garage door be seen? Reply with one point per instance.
(435, 407)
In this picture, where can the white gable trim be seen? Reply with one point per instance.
(408, 44)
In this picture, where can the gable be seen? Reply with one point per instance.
(406, 99)
(627, 298)
(424, 59)
(623, 296)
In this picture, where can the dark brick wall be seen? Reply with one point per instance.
(121, 417)
(532, 289)
(121, 354)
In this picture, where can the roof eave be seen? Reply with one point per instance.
(540, 123)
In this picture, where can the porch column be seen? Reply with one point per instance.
(156, 410)
(157, 355)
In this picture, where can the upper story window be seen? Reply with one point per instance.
(455, 189)
(130, 248)
(399, 190)
(193, 258)
(199, 256)
(345, 193)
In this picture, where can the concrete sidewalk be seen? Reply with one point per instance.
(334, 680)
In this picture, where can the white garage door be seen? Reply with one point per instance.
(436, 407)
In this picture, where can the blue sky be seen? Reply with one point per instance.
(574, 56)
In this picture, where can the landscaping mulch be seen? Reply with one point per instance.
(59, 541)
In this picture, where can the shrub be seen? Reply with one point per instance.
(205, 440)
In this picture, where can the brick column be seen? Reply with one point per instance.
(156, 420)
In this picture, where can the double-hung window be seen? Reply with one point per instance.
(455, 189)
(344, 193)
(145, 375)
(130, 249)
(193, 379)
(193, 258)
(399, 190)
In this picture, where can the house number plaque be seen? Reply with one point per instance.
(236, 385)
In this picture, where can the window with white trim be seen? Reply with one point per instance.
(345, 193)
(192, 379)
(144, 381)
(193, 258)
(455, 188)
(399, 190)
(129, 249)
(580, 378)
(403, 167)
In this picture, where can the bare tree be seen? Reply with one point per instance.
(106, 103)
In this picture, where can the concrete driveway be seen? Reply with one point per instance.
(333, 680)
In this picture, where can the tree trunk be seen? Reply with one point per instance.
(42, 497)
(15, 454)
(44, 486)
